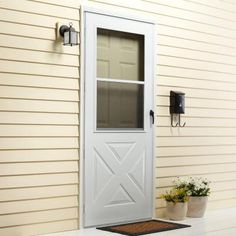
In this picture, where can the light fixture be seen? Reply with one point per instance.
(70, 36)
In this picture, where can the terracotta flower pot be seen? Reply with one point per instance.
(197, 206)
(176, 211)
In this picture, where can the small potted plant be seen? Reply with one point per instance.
(198, 190)
(176, 203)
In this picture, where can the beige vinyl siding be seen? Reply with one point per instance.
(39, 124)
(195, 54)
(39, 105)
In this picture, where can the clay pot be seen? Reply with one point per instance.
(197, 206)
(176, 211)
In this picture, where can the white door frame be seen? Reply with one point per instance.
(85, 9)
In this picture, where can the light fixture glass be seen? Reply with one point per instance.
(70, 36)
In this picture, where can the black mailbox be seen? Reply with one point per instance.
(177, 102)
(177, 107)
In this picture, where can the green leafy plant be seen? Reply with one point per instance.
(195, 186)
(176, 195)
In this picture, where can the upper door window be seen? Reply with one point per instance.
(120, 80)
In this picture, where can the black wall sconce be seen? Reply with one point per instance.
(70, 36)
(177, 106)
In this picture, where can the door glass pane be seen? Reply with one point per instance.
(120, 55)
(119, 105)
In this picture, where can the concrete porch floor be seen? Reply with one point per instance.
(215, 223)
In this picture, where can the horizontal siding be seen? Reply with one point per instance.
(38, 204)
(41, 9)
(195, 160)
(195, 52)
(42, 228)
(38, 93)
(39, 180)
(194, 141)
(67, 3)
(37, 193)
(38, 217)
(197, 46)
(197, 132)
(29, 42)
(46, 118)
(195, 170)
(184, 72)
(38, 57)
(12, 13)
(38, 155)
(37, 81)
(195, 150)
(22, 67)
(8, 169)
(38, 131)
(216, 5)
(38, 106)
(35, 143)
(39, 120)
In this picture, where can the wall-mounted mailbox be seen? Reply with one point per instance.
(177, 106)
(177, 102)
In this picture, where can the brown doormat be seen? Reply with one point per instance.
(144, 227)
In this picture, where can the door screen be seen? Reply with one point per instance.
(120, 80)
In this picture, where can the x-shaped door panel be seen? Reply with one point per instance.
(121, 166)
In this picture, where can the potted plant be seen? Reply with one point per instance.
(198, 190)
(176, 203)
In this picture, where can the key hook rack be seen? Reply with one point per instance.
(177, 107)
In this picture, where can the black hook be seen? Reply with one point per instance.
(180, 122)
(172, 121)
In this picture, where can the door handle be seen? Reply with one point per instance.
(151, 113)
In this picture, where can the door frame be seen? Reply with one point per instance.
(82, 131)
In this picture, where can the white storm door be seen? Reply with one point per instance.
(118, 128)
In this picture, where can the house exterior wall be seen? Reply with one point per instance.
(39, 105)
